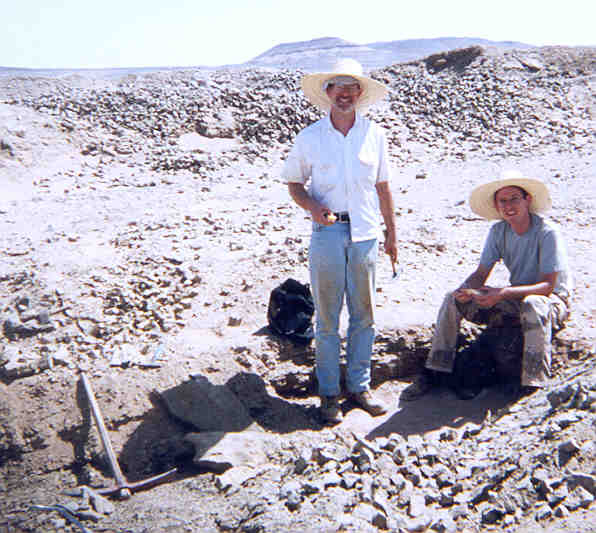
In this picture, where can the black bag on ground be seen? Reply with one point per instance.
(290, 311)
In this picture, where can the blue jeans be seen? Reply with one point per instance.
(339, 266)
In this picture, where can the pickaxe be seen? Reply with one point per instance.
(123, 488)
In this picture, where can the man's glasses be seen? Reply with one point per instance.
(352, 88)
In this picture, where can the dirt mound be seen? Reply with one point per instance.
(457, 60)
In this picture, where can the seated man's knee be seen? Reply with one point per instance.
(535, 303)
(449, 295)
(535, 309)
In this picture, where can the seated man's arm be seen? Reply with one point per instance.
(495, 295)
(473, 282)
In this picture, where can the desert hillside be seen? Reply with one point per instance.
(143, 226)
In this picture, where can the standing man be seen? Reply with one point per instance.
(345, 157)
(533, 250)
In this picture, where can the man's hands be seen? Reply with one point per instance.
(322, 215)
(391, 245)
(484, 296)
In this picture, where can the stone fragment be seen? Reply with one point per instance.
(220, 451)
(578, 497)
(233, 478)
(369, 514)
(443, 523)
(291, 492)
(543, 512)
(586, 481)
(417, 505)
(490, 514)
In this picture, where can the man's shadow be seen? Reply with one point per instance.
(487, 364)
(158, 443)
(441, 409)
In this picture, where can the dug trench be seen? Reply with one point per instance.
(149, 426)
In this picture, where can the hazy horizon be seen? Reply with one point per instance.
(77, 35)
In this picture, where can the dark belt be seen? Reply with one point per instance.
(342, 217)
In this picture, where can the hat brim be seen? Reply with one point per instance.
(482, 198)
(312, 86)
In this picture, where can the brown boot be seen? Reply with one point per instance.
(365, 400)
(330, 410)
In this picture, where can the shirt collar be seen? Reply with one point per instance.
(330, 127)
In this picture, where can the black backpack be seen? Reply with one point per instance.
(290, 311)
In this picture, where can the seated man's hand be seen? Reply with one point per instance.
(488, 297)
(465, 295)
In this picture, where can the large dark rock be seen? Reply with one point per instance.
(207, 407)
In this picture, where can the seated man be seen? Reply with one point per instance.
(535, 254)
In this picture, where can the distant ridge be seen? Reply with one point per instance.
(303, 46)
(314, 55)
(321, 54)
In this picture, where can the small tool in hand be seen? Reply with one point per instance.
(397, 270)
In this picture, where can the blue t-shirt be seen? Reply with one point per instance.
(528, 257)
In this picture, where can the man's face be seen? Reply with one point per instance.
(344, 96)
(512, 203)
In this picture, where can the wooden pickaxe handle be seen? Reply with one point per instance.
(105, 440)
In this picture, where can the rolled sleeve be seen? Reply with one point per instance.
(384, 173)
(296, 168)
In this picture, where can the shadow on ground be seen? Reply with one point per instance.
(440, 409)
(157, 444)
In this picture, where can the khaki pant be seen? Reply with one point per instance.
(537, 315)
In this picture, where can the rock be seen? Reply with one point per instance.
(578, 497)
(364, 459)
(233, 478)
(569, 446)
(491, 514)
(413, 525)
(400, 453)
(331, 479)
(561, 511)
(301, 462)
(324, 454)
(207, 407)
(586, 481)
(100, 504)
(369, 514)
(417, 505)
(220, 451)
(443, 524)
(543, 512)
(291, 492)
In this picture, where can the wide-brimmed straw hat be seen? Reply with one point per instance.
(482, 198)
(314, 85)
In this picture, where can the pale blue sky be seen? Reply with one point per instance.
(135, 33)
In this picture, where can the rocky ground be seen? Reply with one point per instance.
(143, 227)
